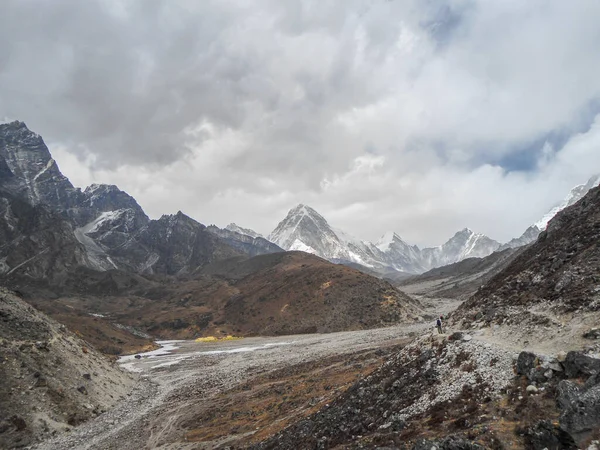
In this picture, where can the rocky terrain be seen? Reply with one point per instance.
(52, 380)
(559, 273)
(459, 393)
(234, 393)
(402, 387)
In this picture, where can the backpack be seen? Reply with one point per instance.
(439, 323)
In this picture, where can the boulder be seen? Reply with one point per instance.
(566, 393)
(580, 410)
(593, 333)
(551, 363)
(449, 443)
(537, 374)
(544, 435)
(525, 363)
(456, 336)
(577, 364)
(532, 389)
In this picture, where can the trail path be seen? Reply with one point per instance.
(186, 374)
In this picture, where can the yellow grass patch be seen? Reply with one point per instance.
(216, 339)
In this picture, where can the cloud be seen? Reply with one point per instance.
(423, 117)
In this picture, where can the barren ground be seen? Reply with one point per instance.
(203, 395)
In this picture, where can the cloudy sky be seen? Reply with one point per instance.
(421, 117)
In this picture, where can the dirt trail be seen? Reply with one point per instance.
(173, 385)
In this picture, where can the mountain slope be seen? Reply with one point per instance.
(560, 269)
(532, 233)
(51, 379)
(108, 224)
(29, 170)
(278, 293)
(245, 240)
(36, 242)
(400, 255)
(245, 231)
(458, 280)
(464, 244)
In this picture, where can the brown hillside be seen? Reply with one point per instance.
(281, 293)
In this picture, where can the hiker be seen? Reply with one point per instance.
(438, 323)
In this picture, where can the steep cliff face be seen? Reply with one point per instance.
(174, 244)
(36, 242)
(29, 171)
(101, 227)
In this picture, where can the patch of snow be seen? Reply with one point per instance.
(300, 246)
(25, 262)
(245, 231)
(385, 242)
(96, 254)
(94, 225)
(44, 170)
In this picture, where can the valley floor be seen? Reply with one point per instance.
(202, 395)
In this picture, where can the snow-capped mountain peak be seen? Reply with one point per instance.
(303, 226)
(532, 233)
(386, 241)
(576, 194)
(245, 231)
(306, 230)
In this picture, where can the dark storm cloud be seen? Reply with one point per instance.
(361, 107)
(124, 87)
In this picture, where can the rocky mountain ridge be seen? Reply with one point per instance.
(532, 233)
(101, 227)
(560, 268)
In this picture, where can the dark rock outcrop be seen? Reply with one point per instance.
(525, 363)
(102, 227)
(579, 365)
(580, 408)
(544, 435)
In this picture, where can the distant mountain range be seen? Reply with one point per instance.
(305, 229)
(105, 228)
